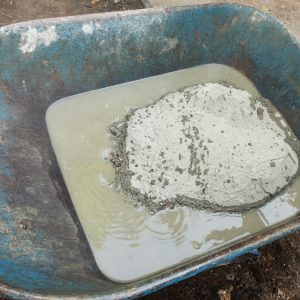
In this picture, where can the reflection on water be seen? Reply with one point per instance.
(251, 222)
(126, 241)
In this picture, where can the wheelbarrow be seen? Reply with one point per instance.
(44, 253)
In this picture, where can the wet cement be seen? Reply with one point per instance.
(228, 151)
(129, 243)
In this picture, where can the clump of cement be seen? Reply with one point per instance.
(206, 146)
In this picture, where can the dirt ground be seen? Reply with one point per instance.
(273, 275)
(287, 11)
(12, 11)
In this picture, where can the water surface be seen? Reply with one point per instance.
(128, 243)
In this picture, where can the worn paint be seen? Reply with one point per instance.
(170, 43)
(87, 28)
(61, 60)
(32, 38)
(4, 108)
(258, 17)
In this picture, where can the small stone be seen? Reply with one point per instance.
(114, 131)
(230, 276)
(24, 224)
(196, 245)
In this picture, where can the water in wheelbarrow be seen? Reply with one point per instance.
(130, 242)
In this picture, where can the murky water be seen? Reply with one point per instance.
(127, 242)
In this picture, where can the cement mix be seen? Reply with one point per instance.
(206, 146)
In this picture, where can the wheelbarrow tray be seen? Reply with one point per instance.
(44, 253)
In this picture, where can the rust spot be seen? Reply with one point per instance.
(24, 224)
(197, 36)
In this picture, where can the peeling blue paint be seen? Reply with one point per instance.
(34, 279)
(5, 169)
(4, 108)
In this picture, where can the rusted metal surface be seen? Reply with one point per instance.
(44, 253)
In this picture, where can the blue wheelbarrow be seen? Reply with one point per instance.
(44, 253)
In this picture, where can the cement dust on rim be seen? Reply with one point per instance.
(206, 146)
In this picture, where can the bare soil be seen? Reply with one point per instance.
(13, 11)
(273, 275)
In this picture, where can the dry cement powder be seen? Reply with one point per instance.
(206, 146)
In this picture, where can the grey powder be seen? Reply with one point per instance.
(206, 146)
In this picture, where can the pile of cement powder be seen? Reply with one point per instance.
(206, 146)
